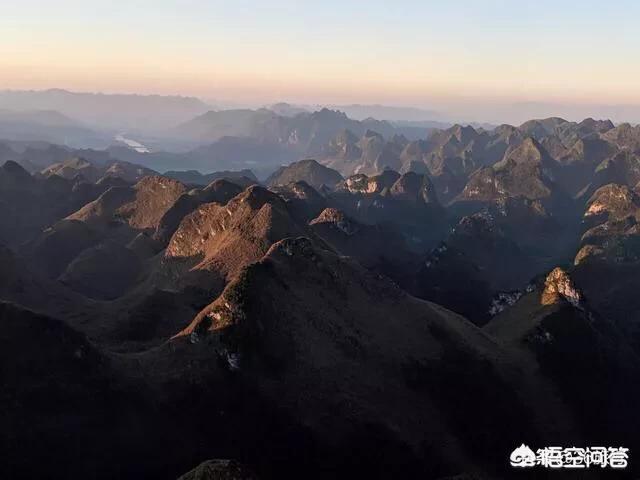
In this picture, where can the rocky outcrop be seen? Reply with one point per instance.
(218, 240)
(617, 201)
(219, 191)
(611, 223)
(219, 470)
(588, 252)
(363, 184)
(558, 287)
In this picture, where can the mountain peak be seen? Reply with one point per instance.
(309, 170)
(13, 175)
(328, 114)
(256, 196)
(529, 151)
(616, 200)
(337, 218)
(558, 287)
(413, 186)
(370, 134)
(597, 125)
(14, 169)
(463, 134)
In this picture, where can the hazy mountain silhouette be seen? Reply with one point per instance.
(111, 111)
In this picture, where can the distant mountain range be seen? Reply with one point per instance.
(305, 131)
(143, 113)
(392, 308)
(362, 112)
(49, 126)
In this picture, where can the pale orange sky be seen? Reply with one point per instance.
(355, 52)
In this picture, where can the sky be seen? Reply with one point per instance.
(420, 53)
